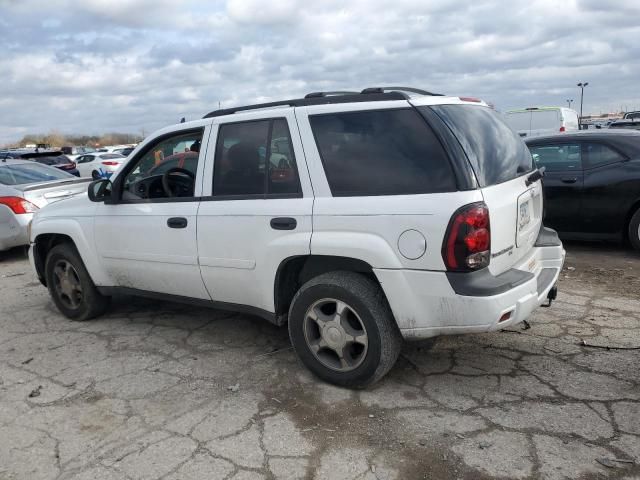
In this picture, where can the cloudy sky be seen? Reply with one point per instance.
(90, 66)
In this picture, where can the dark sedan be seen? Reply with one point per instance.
(51, 158)
(591, 183)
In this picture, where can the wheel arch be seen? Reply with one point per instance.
(293, 272)
(50, 232)
(635, 206)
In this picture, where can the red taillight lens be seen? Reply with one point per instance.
(562, 129)
(467, 244)
(18, 205)
(110, 164)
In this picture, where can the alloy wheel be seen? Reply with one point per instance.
(67, 284)
(335, 334)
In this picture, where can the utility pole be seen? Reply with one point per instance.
(582, 85)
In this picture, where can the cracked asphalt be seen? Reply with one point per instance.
(166, 391)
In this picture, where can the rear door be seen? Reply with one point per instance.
(257, 206)
(502, 163)
(520, 122)
(563, 182)
(545, 122)
(609, 188)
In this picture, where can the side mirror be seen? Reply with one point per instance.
(99, 190)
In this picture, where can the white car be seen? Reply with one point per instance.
(358, 219)
(539, 121)
(25, 187)
(99, 165)
(74, 152)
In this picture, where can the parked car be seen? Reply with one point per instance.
(537, 121)
(73, 152)
(632, 124)
(25, 187)
(53, 159)
(426, 214)
(591, 183)
(99, 165)
(124, 151)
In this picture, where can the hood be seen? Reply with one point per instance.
(76, 206)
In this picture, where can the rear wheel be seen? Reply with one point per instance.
(70, 285)
(343, 330)
(634, 230)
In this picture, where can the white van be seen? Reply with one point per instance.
(538, 121)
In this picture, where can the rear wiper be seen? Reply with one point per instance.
(535, 176)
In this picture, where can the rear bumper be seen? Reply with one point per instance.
(427, 304)
(13, 228)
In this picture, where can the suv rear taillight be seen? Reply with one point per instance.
(467, 244)
(18, 205)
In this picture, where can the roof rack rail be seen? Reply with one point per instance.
(400, 89)
(329, 94)
(346, 97)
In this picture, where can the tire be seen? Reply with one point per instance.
(634, 230)
(70, 285)
(364, 309)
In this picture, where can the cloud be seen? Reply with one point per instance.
(108, 65)
(261, 13)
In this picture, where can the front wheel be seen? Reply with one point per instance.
(343, 330)
(70, 285)
(634, 230)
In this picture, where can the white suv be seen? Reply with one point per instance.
(359, 218)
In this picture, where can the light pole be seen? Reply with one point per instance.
(582, 85)
(569, 101)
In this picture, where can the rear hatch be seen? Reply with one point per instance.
(501, 163)
(41, 194)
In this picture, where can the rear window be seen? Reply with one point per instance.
(381, 152)
(25, 173)
(518, 120)
(497, 154)
(545, 119)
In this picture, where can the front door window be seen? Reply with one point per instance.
(166, 169)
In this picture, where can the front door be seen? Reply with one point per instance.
(258, 209)
(562, 182)
(146, 237)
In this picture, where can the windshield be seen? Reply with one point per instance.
(108, 156)
(24, 173)
(497, 154)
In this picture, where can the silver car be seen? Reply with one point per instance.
(25, 187)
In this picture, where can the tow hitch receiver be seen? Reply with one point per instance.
(551, 296)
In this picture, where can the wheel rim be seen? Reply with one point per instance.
(67, 284)
(335, 335)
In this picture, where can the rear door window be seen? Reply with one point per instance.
(558, 158)
(255, 158)
(497, 154)
(381, 152)
(597, 154)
